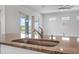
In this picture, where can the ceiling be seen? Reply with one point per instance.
(50, 8)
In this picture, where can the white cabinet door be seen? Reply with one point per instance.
(0, 48)
(14, 50)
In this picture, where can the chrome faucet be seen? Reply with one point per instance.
(40, 33)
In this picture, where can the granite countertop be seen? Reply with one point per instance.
(7, 40)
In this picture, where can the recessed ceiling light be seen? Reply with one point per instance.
(65, 7)
(43, 6)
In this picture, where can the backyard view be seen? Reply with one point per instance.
(26, 26)
(22, 27)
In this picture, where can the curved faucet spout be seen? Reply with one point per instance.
(40, 33)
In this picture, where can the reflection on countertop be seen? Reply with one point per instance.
(41, 42)
(62, 47)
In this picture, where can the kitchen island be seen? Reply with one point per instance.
(6, 44)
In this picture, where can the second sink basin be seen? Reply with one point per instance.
(49, 43)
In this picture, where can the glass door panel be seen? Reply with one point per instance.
(26, 26)
(22, 27)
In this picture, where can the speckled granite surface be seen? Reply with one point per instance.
(51, 50)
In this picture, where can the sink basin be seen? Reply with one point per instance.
(49, 43)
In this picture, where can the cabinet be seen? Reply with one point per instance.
(15, 50)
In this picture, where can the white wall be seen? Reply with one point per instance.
(2, 19)
(11, 19)
(57, 27)
(13, 15)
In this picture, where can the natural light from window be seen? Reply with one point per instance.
(65, 38)
(65, 18)
(52, 19)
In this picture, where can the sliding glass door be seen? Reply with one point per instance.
(22, 27)
(27, 26)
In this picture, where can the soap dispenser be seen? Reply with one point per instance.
(51, 37)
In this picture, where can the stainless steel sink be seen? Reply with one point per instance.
(49, 43)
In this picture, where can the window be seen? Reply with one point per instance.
(65, 18)
(22, 27)
(25, 26)
(52, 19)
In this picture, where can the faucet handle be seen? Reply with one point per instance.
(41, 28)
